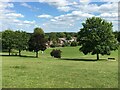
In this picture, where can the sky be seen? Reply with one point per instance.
(55, 15)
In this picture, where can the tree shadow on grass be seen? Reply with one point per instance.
(19, 56)
(78, 59)
(27, 56)
(8, 55)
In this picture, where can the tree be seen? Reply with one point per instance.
(52, 36)
(118, 38)
(74, 43)
(21, 41)
(56, 53)
(0, 41)
(62, 35)
(8, 40)
(37, 41)
(96, 37)
(68, 37)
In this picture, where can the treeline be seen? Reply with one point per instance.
(16, 41)
(95, 37)
(55, 35)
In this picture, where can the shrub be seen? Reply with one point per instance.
(73, 43)
(56, 53)
(66, 44)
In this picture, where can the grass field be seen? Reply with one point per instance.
(74, 70)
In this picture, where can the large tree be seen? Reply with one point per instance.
(96, 37)
(8, 40)
(37, 41)
(21, 41)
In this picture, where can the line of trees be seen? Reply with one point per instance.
(20, 40)
(96, 37)
(14, 40)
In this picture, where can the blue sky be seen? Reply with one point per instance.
(55, 15)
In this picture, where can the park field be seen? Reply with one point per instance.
(73, 70)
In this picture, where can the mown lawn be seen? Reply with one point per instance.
(74, 70)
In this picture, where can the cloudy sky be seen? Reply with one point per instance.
(55, 15)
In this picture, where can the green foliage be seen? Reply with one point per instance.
(66, 44)
(14, 40)
(117, 35)
(74, 43)
(37, 41)
(56, 53)
(62, 35)
(8, 40)
(0, 41)
(96, 37)
(38, 31)
(52, 37)
(21, 41)
(68, 37)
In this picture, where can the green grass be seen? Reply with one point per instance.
(48, 72)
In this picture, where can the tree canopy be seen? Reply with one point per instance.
(96, 37)
(14, 40)
(37, 41)
(21, 41)
(8, 40)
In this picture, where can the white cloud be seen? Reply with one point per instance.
(14, 15)
(109, 15)
(81, 14)
(71, 17)
(26, 5)
(84, 1)
(62, 5)
(10, 5)
(16, 21)
(79, 11)
(44, 16)
(29, 22)
(10, 19)
(108, 0)
(52, 20)
(67, 21)
(65, 8)
(58, 3)
(4, 5)
(109, 7)
(94, 8)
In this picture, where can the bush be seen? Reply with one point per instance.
(74, 43)
(56, 53)
(66, 44)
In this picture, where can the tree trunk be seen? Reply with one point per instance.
(97, 56)
(19, 52)
(37, 54)
(9, 52)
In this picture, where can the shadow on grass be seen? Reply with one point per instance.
(19, 56)
(27, 56)
(77, 59)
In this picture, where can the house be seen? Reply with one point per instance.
(61, 41)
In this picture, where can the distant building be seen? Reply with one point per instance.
(61, 41)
